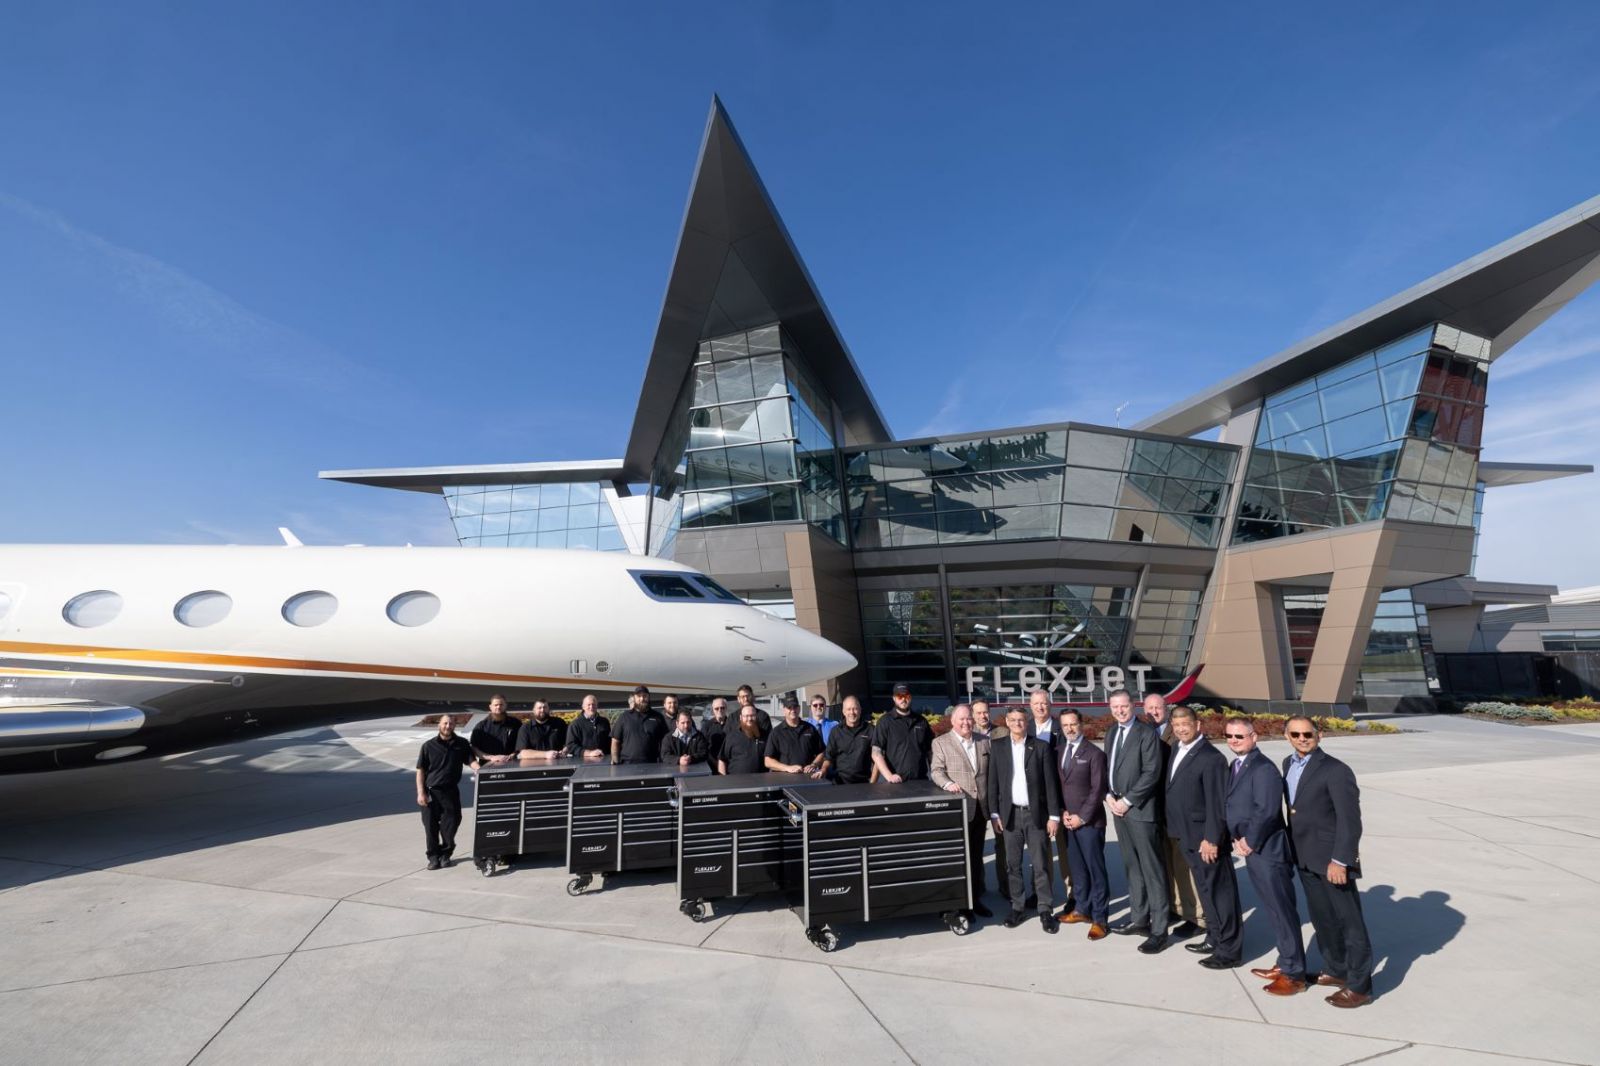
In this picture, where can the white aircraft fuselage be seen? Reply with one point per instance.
(81, 671)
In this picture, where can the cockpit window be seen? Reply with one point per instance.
(668, 587)
(715, 589)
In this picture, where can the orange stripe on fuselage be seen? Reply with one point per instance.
(194, 658)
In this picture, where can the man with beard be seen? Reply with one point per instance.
(983, 723)
(439, 789)
(543, 736)
(848, 756)
(747, 698)
(686, 745)
(744, 751)
(637, 735)
(494, 740)
(794, 746)
(589, 735)
(715, 726)
(902, 742)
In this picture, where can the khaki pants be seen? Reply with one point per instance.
(1180, 886)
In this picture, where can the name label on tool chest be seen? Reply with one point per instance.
(838, 813)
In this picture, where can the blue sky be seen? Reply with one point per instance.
(241, 244)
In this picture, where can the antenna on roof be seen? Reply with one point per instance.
(1117, 414)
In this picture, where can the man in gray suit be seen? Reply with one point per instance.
(1133, 770)
(961, 764)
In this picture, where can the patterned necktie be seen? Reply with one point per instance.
(1238, 764)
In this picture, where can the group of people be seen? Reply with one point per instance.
(1182, 810)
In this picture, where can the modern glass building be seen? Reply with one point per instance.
(1286, 533)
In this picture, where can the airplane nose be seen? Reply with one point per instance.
(809, 658)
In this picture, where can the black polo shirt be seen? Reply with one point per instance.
(715, 732)
(906, 741)
(794, 745)
(763, 720)
(744, 755)
(850, 753)
(496, 738)
(548, 735)
(441, 761)
(674, 748)
(589, 734)
(639, 735)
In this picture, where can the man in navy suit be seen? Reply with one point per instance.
(1255, 818)
(1025, 804)
(1196, 798)
(1325, 828)
(1082, 769)
(1133, 794)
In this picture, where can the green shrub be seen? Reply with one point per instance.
(1511, 712)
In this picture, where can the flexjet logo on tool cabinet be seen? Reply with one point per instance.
(707, 869)
(501, 833)
(595, 847)
(838, 891)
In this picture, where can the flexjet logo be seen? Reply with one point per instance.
(592, 848)
(501, 833)
(708, 869)
(841, 890)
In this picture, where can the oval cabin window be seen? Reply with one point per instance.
(200, 609)
(91, 609)
(309, 609)
(411, 609)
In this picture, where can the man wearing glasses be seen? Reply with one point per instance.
(1255, 819)
(819, 719)
(1325, 826)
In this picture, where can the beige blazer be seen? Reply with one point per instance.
(950, 764)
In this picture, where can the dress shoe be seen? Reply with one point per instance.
(433, 864)
(1184, 930)
(1074, 918)
(1071, 904)
(1265, 973)
(1131, 930)
(981, 911)
(1214, 962)
(1155, 945)
(1048, 923)
(1031, 903)
(1097, 931)
(1014, 919)
(1284, 986)
(1205, 947)
(1346, 998)
(1330, 981)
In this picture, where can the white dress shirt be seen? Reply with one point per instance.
(1019, 774)
(969, 748)
(1179, 752)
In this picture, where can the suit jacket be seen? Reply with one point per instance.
(950, 764)
(1137, 771)
(1083, 782)
(1255, 808)
(1053, 738)
(1325, 817)
(1197, 795)
(1044, 788)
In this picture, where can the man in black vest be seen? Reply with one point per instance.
(438, 789)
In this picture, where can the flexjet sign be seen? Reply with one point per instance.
(1067, 680)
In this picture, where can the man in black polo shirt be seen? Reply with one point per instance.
(743, 749)
(542, 737)
(494, 740)
(638, 732)
(794, 746)
(902, 742)
(438, 789)
(747, 698)
(848, 756)
(715, 726)
(589, 735)
(686, 745)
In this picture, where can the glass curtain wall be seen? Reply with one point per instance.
(903, 631)
(1394, 663)
(1302, 612)
(1022, 629)
(1393, 432)
(549, 515)
(1164, 632)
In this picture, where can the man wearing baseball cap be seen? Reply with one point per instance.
(902, 742)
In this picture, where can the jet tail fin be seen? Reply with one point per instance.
(1181, 691)
(289, 539)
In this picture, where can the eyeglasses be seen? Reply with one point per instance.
(819, 705)
(1238, 736)
(1299, 736)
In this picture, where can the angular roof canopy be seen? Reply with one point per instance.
(736, 268)
(1495, 474)
(1501, 294)
(434, 478)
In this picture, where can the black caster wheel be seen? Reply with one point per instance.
(702, 913)
(576, 886)
(960, 923)
(488, 868)
(824, 939)
(696, 910)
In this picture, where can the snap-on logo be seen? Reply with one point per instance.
(707, 869)
(838, 891)
(501, 833)
(595, 847)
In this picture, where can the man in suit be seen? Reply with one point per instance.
(961, 764)
(982, 725)
(1133, 781)
(1196, 809)
(1025, 808)
(1181, 890)
(1041, 726)
(1082, 769)
(1325, 828)
(1255, 821)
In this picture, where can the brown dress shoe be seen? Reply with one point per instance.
(1346, 998)
(1284, 986)
(1330, 981)
(1097, 931)
(1074, 918)
(1264, 973)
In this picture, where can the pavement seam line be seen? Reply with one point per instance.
(397, 936)
(730, 916)
(265, 981)
(1531, 858)
(1238, 975)
(211, 884)
(138, 973)
(1382, 1054)
(873, 1015)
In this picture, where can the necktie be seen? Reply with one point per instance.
(1238, 764)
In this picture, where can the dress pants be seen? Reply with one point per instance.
(1186, 903)
(1022, 832)
(1219, 894)
(1144, 859)
(440, 820)
(1086, 854)
(1002, 870)
(975, 831)
(1064, 861)
(1341, 930)
(1274, 885)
